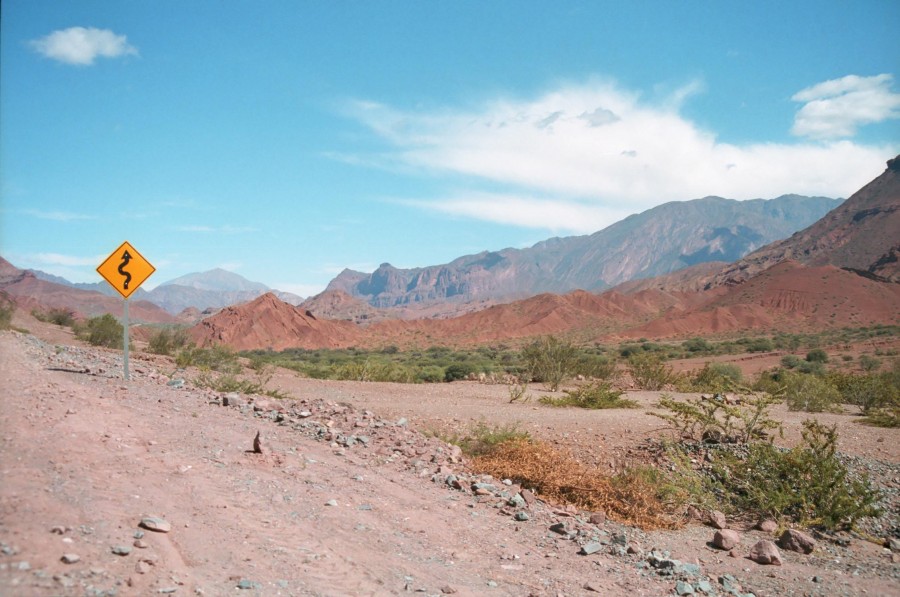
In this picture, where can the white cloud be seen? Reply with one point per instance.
(227, 229)
(66, 260)
(558, 216)
(834, 109)
(584, 153)
(58, 216)
(82, 45)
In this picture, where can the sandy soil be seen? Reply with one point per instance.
(86, 456)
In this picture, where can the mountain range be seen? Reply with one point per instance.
(784, 294)
(663, 239)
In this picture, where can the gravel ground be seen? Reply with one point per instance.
(346, 496)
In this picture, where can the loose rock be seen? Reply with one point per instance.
(726, 539)
(765, 552)
(154, 523)
(793, 540)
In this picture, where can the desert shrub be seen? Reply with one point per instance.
(810, 393)
(371, 370)
(216, 358)
(790, 361)
(59, 316)
(458, 371)
(595, 395)
(817, 355)
(697, 345)
(631, 497)
(483, 439)
(430, 374)
(594, 367)
(518, 391)
(166, 341)
(868, 363)
(650, 371)
(228, 382)
(716, 377)
(104, 330)
(807, 484)
(811, 368)
(868, 391)
(7, 308)
(550, 360)
(712, 419)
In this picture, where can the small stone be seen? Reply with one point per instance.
(248, 584)
(817, 579)
(331, 503)
(141, 544)
(154, 523)
(704, 586)
(121, 550)
(58, 530)
(794, 540)
(717, 520)
(893, 544)
(684, 588)
(448, 590)
(590, 548)
(767, 525)
(176, 383)
(522, 516)
(598, 518)
(592, 587)
(142, 567)
(70, 558)
(765, 552)
(726, 539)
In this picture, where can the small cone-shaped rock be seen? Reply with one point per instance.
(726, 539)
(798, 541)
(257, 444)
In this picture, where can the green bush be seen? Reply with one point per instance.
(810, 393)
(596, 395)
(817, 355)
(104, 330)
(808, 484)
(790, 361)
(716, 377)
(59, 316)
(868, 363)
(650, 372)
(458, 371)
(7, 308)
(216, 358)
(166, 341)
(550, 360)
(712, 419)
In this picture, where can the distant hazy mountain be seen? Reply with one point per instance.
(658, 241)
(212, 289)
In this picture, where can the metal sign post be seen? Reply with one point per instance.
(125, 281)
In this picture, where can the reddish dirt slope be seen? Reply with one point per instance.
(787, 297)
(267, 322)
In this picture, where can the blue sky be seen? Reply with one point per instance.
(286, 141)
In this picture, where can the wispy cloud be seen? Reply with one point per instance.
(558, 216)
(82, 45)
(66, 260)
(587, 152)
(836, 108)
(58, 216)
(215, 229)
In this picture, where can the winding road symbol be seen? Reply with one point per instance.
(126, 257)
(125, 269)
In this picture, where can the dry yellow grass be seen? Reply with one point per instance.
(558, 477)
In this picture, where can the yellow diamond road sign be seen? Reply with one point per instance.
(125, 269)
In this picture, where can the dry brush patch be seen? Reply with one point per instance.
(557, 476)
